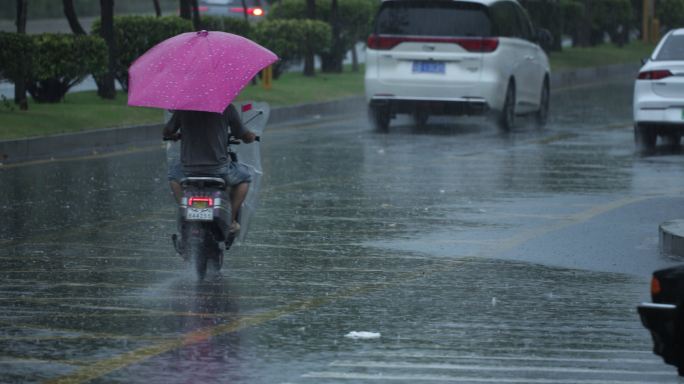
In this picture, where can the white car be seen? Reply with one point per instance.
(455, 57)
(659, 93)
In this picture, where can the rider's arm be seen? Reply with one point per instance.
(238, 129)
(171, 127)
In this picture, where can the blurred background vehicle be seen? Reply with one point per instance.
(254, 9)
(455, 58)
(659, 94)
(664, 317)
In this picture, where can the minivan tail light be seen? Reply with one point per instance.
(488, 44)
(470, 44)
(654, 75)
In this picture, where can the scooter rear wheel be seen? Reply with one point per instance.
(197, 238)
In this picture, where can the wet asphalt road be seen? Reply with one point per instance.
(478, 257)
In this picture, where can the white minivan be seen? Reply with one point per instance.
(455, 57)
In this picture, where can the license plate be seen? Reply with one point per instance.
(429, 67)
(200, 214)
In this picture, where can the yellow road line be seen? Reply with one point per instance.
(106, 366)
(96, 155)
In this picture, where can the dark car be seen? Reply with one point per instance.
(255, 9)
(664, 317)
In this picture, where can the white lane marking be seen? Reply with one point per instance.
(598, 359)
(492, 368)
(461, 379)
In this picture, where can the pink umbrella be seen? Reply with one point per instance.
(197, 71)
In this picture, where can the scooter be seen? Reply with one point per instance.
(204, 219)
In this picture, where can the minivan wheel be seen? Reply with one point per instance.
(379, 117)
(644, 138)
(420, 117)
(673, 139)
(543, 112)
(507, 117)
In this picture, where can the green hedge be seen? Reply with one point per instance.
(290, 39)
(234, 25)
(51, 63)
(134, 35)
(16, 56)
(354, 18)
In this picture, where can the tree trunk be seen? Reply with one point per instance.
(333, 61)
(105, 86)
(185, 9)
(309, 59)
(20, 85)
(309, 64)
(195, 15)
(584, 35)
(157, 8)
(355, 59)
(71, 16)
(244, 10)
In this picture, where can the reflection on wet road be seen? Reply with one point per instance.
(478, 257)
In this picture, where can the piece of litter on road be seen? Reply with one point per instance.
(362, 335)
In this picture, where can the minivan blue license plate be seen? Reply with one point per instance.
(429, 67)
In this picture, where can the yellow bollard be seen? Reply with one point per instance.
(267, 77)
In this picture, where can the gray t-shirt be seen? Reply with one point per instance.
(205, 138)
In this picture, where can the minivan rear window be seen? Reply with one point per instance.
(673, 48)
(433, 18)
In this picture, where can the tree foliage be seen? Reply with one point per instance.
(290, 39)
(60, 61)
(354, 18)
(670, 13)
(15, 56)
(134, 35)
(234, 25)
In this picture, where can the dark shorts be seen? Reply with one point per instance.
(233, 173)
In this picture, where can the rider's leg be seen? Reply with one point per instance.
(177, 190)
(237, 197)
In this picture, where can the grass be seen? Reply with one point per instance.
(294, 88)
(79, 111)
(605, 54)
(85, 111)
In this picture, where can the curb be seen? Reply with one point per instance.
(103, 140)
(672, 237)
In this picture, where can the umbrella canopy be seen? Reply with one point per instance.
(197, 71)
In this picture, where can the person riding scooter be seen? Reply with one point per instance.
(204, 151)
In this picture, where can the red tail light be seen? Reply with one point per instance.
(246, 107)
(195, 199)
(256, 11)
(470, 44)
(655, 286)
(654, 75)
